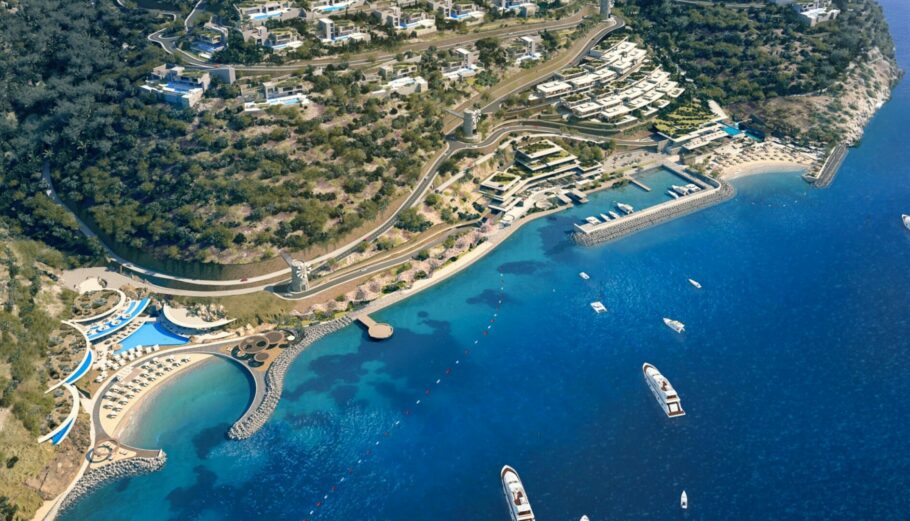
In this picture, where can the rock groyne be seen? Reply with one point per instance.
(260, 413)
(97, 477)
(656, 215)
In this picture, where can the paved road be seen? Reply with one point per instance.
(247, 285)
(373, 57)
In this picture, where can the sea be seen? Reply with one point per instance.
(793, 369)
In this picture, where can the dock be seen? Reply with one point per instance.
(639, 184)
(578, 195)
(713, 191)
(376, 330)
(830, 167)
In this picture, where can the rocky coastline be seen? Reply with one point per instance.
(95, 478)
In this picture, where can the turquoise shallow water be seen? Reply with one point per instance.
(793, 371)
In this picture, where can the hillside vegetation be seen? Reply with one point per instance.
(747, 55)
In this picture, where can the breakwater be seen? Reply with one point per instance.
(655, 215)
(829, 169)
(95, 478)
(254, 419)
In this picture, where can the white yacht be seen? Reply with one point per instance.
(599, 307)
(675, 325)
(681, 190)
(592, 220)
(627, 208)
(519, 507)
(584, 518)
(605, 218)
(662, 390)
(695, 283)
(673, 194)
(614, 214)
(693, 187)
(584, 275)
(684, 501)
(906, 219)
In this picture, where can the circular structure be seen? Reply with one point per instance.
(261, 357)
(380, 331)
(254, 344)
(103, 451)
(274, 337)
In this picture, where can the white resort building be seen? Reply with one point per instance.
(461, 12)
(288, 92)
(282, 39)
(409, 20)
(537, 164)
(177, 86)
(321, 8)
(404, 86)
(519, 7)
(337, 32)
(257, 12)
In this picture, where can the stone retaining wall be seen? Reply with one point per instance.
(831, 166)
(95, 478)
(639, 221)
(250, 423)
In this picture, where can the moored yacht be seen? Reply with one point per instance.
(673, 194)
(519, 507)
(662, 390)
(614, 214)
(605, 218)
(675, 325)
(906, 219)
(627, 208)
(695, 283)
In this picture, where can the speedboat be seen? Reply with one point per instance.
(684, 500)
(695, 283)
(906, 219)
(675, 325)
(605, 218)
(592, 220)
(673, 194)
(519, 507)
(663, 392)
(681, 190)
(599, 307)
(627, 208)
(584, 276)
(584, 518)
(614, 214)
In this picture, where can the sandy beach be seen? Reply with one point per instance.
(762, 167)
(129, 417)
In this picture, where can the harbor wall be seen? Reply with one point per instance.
(657, 214)
(96, 478)
(253, 420)
(830, 167)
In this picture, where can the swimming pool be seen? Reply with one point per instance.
(149, 334)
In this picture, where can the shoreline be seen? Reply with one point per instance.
(762, 167)
(126, 427)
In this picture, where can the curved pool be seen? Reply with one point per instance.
(149, 334)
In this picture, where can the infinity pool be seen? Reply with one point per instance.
(149, 334)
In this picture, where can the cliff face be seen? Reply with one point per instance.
(837, 114)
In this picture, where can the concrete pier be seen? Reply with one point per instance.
(376, 330)
(639, 184)
(715, 191)
(830, 167)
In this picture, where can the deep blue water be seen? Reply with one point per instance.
(793, 371)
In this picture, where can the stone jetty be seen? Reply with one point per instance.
(97, 477)
(253, 420)
(661, 213)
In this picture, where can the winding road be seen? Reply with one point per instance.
(210, 287)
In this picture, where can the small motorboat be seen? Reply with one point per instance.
(675, 325)
(906, 219)
(684, 500)
(584, 276)
(695, 283)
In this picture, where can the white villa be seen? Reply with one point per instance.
(177, 86)
(407, 20)
(257, 12)
(462, 12)
(404, 86)
(337, 32)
